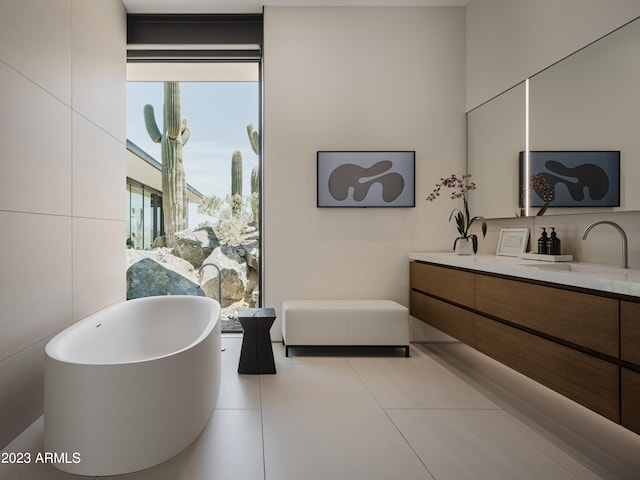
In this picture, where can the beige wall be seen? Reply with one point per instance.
(508, 40)
(62, 182)
(356, 79)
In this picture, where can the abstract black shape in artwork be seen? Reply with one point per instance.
(577, 179)
(366, 179)
(360, 179)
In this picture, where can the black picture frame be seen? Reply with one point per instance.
(576, 178)
(365, 179)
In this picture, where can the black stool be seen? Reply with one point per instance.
(256, 355)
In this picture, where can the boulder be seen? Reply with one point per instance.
(147, 278)
(251, 255)
(195, 246)
(234, 275)
(166, 258)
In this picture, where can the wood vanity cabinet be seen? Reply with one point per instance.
(571, 340)
(630, 405)
(582, 319)
(444, 316)
(444, 282)
(630, 371)
(588, 380)
(630, 329)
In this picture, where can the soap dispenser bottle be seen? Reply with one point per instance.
(553, 243)
(542, 242)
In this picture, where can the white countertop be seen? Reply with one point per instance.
(604, 278)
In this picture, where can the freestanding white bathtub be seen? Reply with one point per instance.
(132, 385)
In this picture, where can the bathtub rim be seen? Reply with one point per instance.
(54, 346)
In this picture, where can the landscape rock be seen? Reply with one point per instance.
(195, 246)
(165, 258)
(146, 278)
(251, 256)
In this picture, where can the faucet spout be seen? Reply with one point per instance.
(623, 235)
(219, 278)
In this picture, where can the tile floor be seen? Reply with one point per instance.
(448, 412)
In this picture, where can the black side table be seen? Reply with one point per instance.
(256, 355)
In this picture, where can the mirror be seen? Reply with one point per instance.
(588, 101)
(495, 133)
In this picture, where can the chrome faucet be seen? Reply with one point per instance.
(219, 279)
(625, 249)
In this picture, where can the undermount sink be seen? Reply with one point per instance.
(577, 267)
(589, 269)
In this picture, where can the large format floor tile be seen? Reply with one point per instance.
(29, 442)
(601, 445)
(448, 412)
(236, 391)
(484, 444)
(417, 383)
(321, 422)
(230, 447)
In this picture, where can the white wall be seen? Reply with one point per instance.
(356, 79)
(62, 182)
(510, 40)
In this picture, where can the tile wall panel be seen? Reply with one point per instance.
(58, 264)
(35, 39)
(21, 390)
(99, 67)
(96, 154)
(35, 288)
(99, 270)
(35, 163)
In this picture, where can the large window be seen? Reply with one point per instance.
(144, 215)
(217, 61)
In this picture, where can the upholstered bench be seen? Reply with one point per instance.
(381, 323)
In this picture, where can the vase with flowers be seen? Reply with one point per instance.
(466, 242)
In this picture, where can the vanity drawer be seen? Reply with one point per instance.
(589, 381)
(630, 332)
(447, 318)
(582, 319)
(630, 415)
(447, 283)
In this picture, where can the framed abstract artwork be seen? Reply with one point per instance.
(572, 178)
(366, 179)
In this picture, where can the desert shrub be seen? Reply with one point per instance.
(230, 217)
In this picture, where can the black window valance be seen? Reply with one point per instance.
(193, 38)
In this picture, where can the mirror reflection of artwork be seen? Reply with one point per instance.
(575, 179)
(366, 179)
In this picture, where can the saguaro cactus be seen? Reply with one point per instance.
(255, 180)
(173, 137)
(254, 139)
(236, 180)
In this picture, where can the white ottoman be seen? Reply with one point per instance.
(344, 323)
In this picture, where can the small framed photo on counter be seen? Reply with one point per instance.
(512, 241)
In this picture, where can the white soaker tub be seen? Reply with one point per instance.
(132, 385)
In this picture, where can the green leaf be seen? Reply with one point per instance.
(543, 209)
